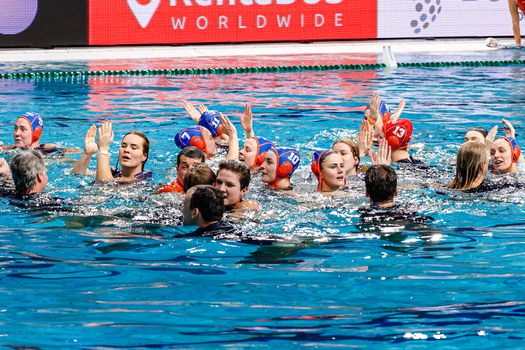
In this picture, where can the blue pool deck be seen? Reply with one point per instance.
(222, 50)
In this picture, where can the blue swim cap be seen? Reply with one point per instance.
(211, 120)
(288, 160)
(37, 124)
(191, 137)
(263, 146)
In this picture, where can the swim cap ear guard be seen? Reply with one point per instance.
(37, 125)
(263, 146)
(316, 165)
(288, 160)
(398, 134)
(191, 137)
(211, 120)
(384, 111)
(316, 162)
(514, 148)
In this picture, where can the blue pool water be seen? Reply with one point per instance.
(106, 274)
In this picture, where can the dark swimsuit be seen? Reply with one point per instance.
(145, 175)
(396, 214)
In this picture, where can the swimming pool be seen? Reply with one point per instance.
(106, 274)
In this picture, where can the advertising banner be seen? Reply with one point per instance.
(43, 23)
(443, 18)
(120, 22)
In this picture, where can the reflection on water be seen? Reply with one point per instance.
(107, 272)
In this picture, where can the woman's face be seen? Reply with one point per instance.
(131, 152)
(332, 172)
(22, 134)
(501, 156)
(228, 183)
(248, 153)
(269, 167)
(345, 152)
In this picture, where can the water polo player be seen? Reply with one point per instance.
(328, 167)
(278, 167)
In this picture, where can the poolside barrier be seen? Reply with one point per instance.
(243, 70)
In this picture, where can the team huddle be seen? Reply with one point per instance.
(383, 137)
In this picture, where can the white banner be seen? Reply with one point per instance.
(444, 18)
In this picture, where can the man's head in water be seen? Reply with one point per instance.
(187, 158)
(381, 185)
(203, 206)
(29, 172)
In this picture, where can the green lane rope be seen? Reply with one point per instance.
(242, 70)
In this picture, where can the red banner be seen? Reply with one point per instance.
(119, 22)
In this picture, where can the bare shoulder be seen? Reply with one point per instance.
(250, 205)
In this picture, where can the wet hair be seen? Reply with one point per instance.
(209, 201)
(469, 165)
(353, 147)
(200, 174)
(480, 129)
(191, 152)
(24, 169)
(145, 144)
(238, 168)
(381, 183)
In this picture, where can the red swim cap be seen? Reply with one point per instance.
(398, 134)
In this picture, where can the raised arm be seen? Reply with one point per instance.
(400, 107)
(192, 111)
(509, 131)
(384, 154)
(90, 148)
(105, 137)
(233, 141)
(247, 121)
(365, 138)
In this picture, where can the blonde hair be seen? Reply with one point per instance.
(470, 161)
(353, 147)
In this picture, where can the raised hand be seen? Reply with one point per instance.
(90, 145)
(233, 142)
(105, 135)
(247, 121)
(491, 135)
(365, 138)
(375, 102)
(508, 129)
(202, 108)
(227, 126)
(395, 116)
(384, 154)
(192, 112)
